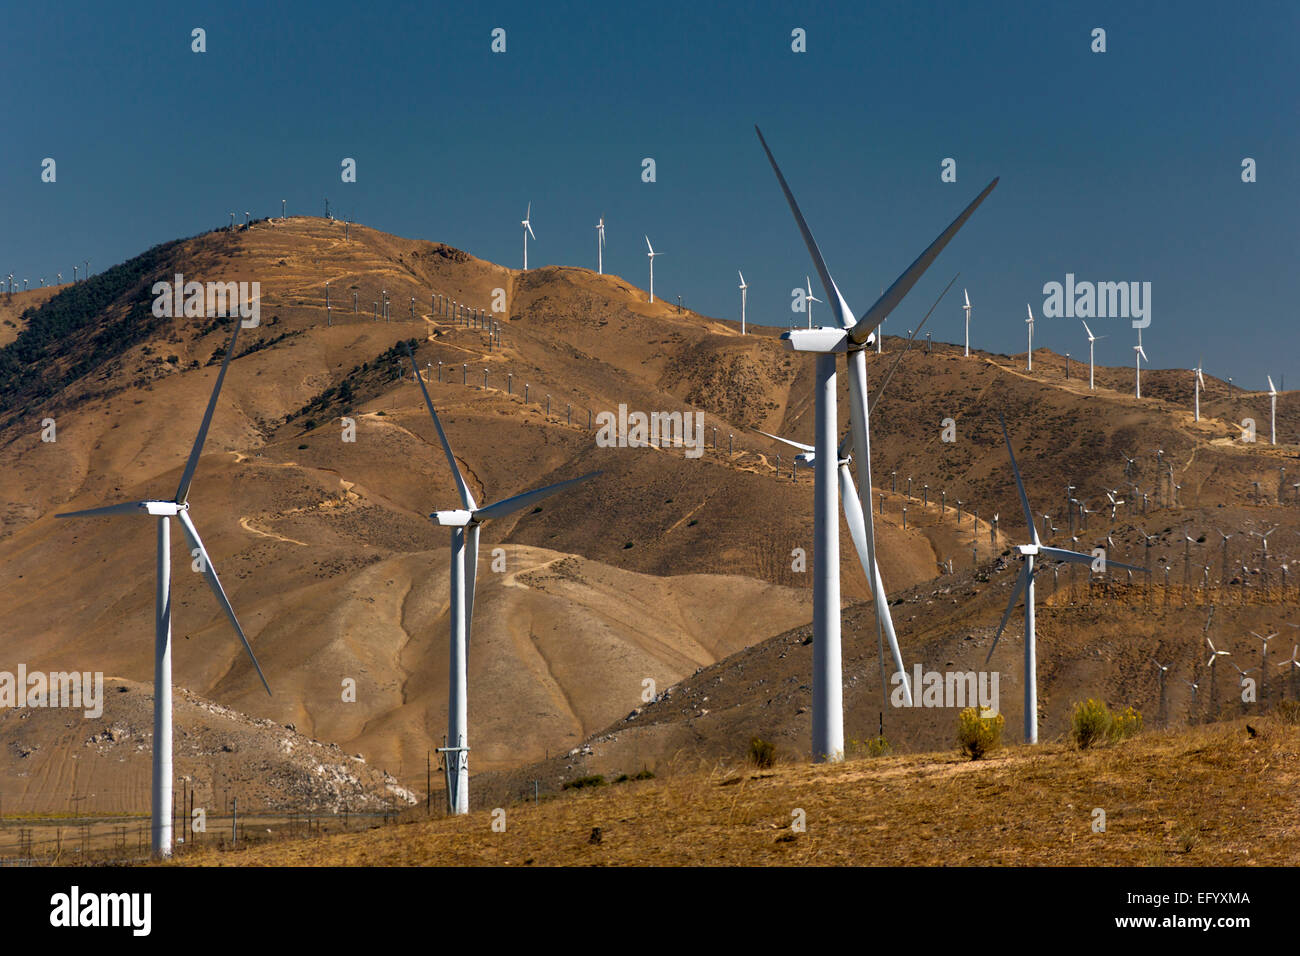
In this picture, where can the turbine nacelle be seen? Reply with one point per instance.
(460, 518)
(821, 340)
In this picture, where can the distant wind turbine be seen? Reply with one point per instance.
(600, 245)
(526, 222)
(1199, 384)
(966, 307)
(464, 524)
(652, 255)
(744, 290)
(1025, 584)
(1091, 339)
(178, 508)
(1030, 322)
(1272, 418)
(810, 298)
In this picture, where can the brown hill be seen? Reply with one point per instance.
(663, 565)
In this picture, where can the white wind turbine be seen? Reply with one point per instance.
(1272, 418)
(652, 255)
(810, 298)
(966, 308)
(1139, 356)
(526, 222)
(850, 336)
(1200, 384)
(464, 524)
(744, 290)
(853, 516)
(178, 508)
(1025, 583)
(1091, 339)
(600, 245)
(1030, 322)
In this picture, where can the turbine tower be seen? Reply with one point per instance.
(851, 336)
(1030, 322)
(1139, 356)
(1025, 583)
(966, 307)
(465, 523)
(1091, 339)
(178, 508)
(652, 255)
(526, 222)
(744, 289)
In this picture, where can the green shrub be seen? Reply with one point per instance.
(761, 753)
(578, 783)
(976, 735)
(1090, 723)
(644, 775)
(1094, 723)
(871, 747)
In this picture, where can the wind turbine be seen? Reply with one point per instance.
(1200, 384)
(178, 508)
(465, 523)
(652, 255)
(852, 504)
(966, 308)
(810, 298)
(1091, 339)
(744, 291)
(526, 222)
(1272, 418)
(1263, 660)
(1139, 356)
(851, 336)
(600, 246)
(1025, 583)
(1030, 322)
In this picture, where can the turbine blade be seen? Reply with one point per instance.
(844, 317)
(128, 507)
(967, 295)
(903, 284)
(648, 246)
(862, 543)
(786, 441)
(471, 571)
(1021, 579)
(466, 498)
(183, 490)
(1020, 485)
(530, 231)
(500, 509)
(1063, 554)
(1088, 330)
(210, 572)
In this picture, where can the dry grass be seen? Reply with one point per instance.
(1211, 796)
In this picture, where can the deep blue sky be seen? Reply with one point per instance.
(1115, 166)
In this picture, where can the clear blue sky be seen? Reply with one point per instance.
(1116, 166)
